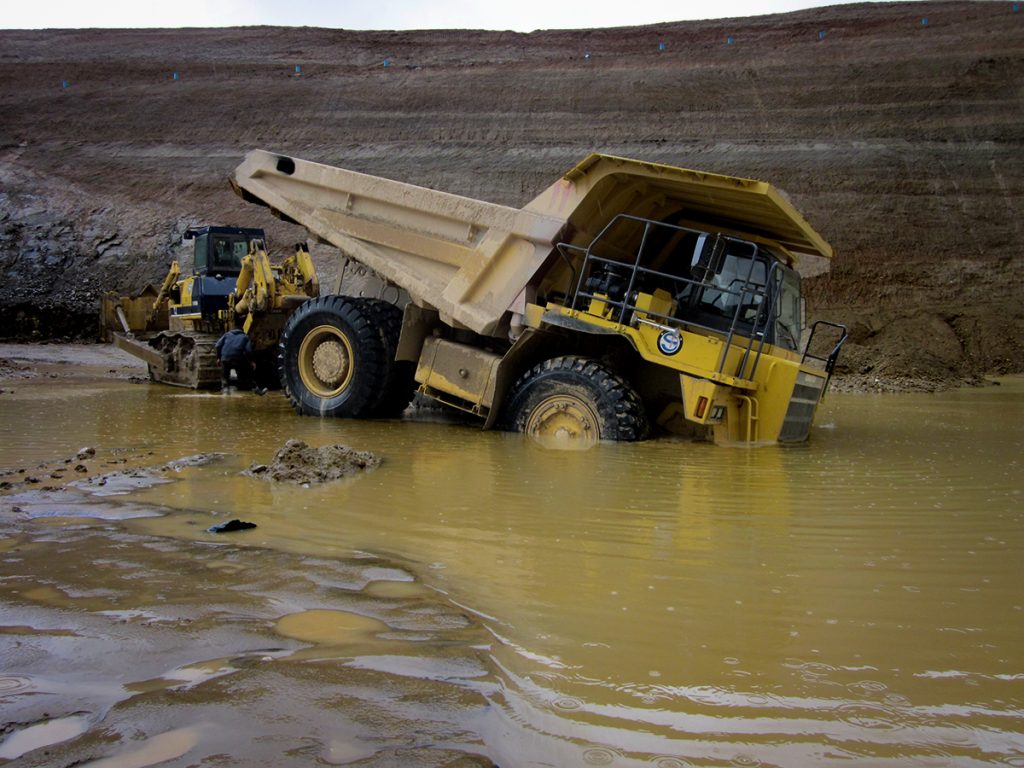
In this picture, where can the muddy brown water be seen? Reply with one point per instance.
(479, 599)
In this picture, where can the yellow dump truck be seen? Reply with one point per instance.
(626, 295)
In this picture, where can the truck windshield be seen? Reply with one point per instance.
(731, 287)
(738, 285)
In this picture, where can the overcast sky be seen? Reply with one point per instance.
(523, 16)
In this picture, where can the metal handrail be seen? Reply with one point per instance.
(765, 309)
(830, 359)
(562, 249)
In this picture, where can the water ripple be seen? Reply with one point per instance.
(600, 756)
(567, 703)
(745, 761)
(671, 762)
(868, 686)
(13, 684)
(875, 717)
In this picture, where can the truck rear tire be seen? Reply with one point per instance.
(399, 384)
(332, 358)
(575, 398)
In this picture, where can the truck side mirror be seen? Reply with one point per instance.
(708, 257)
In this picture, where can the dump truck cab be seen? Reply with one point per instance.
(707, 306)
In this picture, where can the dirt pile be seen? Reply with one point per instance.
(896, 128)
(300, 464)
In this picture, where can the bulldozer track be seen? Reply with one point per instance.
(189, 360)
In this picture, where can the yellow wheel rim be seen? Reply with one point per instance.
(325, 361)
(564, 419)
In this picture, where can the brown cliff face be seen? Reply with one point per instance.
(900, 141)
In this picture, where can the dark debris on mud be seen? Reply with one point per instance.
(300, 464)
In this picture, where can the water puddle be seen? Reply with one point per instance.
(42, 735)
(346, 753)
(158, 749)
(326, 627)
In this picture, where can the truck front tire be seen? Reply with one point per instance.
(575, 399)
(332, 359)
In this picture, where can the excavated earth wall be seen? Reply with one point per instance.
(896, 128)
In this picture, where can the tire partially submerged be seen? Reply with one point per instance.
(399, 384)
(575, 399)
(337, 358)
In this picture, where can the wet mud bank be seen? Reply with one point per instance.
(267, 658)
(112, 656)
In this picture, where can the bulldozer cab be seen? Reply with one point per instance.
(220, 250)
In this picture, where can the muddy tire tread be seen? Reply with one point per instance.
(618, 406)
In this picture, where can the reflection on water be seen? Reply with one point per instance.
(856, 598)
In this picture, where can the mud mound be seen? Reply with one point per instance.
(297, 463)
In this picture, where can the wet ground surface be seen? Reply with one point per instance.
(478, 600)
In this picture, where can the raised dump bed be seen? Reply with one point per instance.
(626, 294)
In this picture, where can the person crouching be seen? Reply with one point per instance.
(235, 353)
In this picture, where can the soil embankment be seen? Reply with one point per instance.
(895, 128)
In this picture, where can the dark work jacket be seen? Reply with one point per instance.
(234, 346)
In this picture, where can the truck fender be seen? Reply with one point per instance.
(530, 348)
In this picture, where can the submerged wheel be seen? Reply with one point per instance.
(399, 384)
(575, 399)
(332, 359)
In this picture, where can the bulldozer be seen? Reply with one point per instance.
(174, 328)
(627, 296)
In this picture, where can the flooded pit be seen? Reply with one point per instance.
(478, 598)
